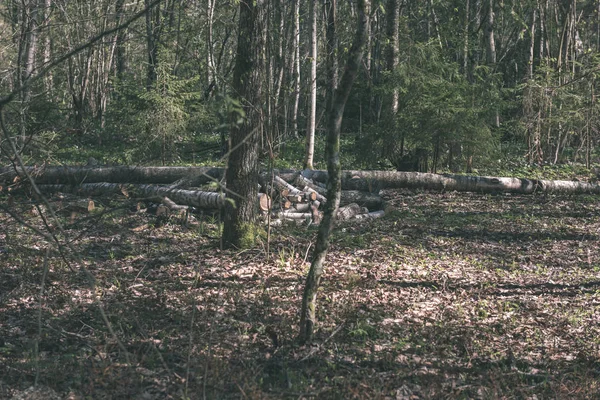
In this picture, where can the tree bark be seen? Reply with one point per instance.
(195, 198)
(28, 46)
(532, 45)
(152, 38)
(376, 180)
(336, 112)
(393, 48)
(210, 60)
(121, 61)
(296, 72)
(331, 45)
(242, 165)
(490, 40)
(312, 105)
(370, 181)
(194, 176)
(465, 55)
(48, 79)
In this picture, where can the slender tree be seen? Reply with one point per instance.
(121, 61)
(152, 38)
(334, 125)
(242, 165)
(312, 104)
(296, 71)
(393, 58)
(210, 58)
(27, 52)
(393, 48)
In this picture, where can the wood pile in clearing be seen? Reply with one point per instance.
(304, 200)
(283, 195)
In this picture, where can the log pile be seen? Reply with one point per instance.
(303, 200)
(283, 195)
(298, 195)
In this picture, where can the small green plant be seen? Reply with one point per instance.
(362, 331)
(286, 257)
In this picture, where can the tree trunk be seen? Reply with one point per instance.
(331, 41)
(28, 45)
(393, 48)
(312, 106)
(195, 198)
(336, 112)
(194, 176)
(121, 61)
(48, 79)
(242, 165)
(490, 41)
(371, 181)
(152, 37)
(296, 73)
(491, 48)
(466, 30)
(210, 60)
(532, 45)
(376, 180)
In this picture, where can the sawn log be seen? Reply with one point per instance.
(195, 198)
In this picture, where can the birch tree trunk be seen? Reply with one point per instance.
(28, 46)
(332, 63)
(48, 79)
(312, 106)
(490, 49)
(490, 55)
(465, 55)
(376, 180)
(370, 181)
(336, 112)
(210, 60)
(532, 45)
(393, 48)
(296, 73)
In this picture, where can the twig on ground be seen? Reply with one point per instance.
(318, 347)
(39, 318)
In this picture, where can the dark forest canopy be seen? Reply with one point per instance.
(442, 86)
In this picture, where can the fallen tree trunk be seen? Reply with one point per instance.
(363, 199)
(373, 181)
(121, 174)
(195, 198)
(75, 175)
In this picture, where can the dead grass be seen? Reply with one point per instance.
(450, 296)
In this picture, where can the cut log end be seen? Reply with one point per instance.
(264, 202)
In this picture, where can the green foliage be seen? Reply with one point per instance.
(154, 124)
(558, 112)
(165, 117)
(439, 108)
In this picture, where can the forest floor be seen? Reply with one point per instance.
(449, 296)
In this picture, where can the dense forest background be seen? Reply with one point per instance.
(484, 84)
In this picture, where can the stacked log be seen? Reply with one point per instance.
(285, 194)
(305, 204)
